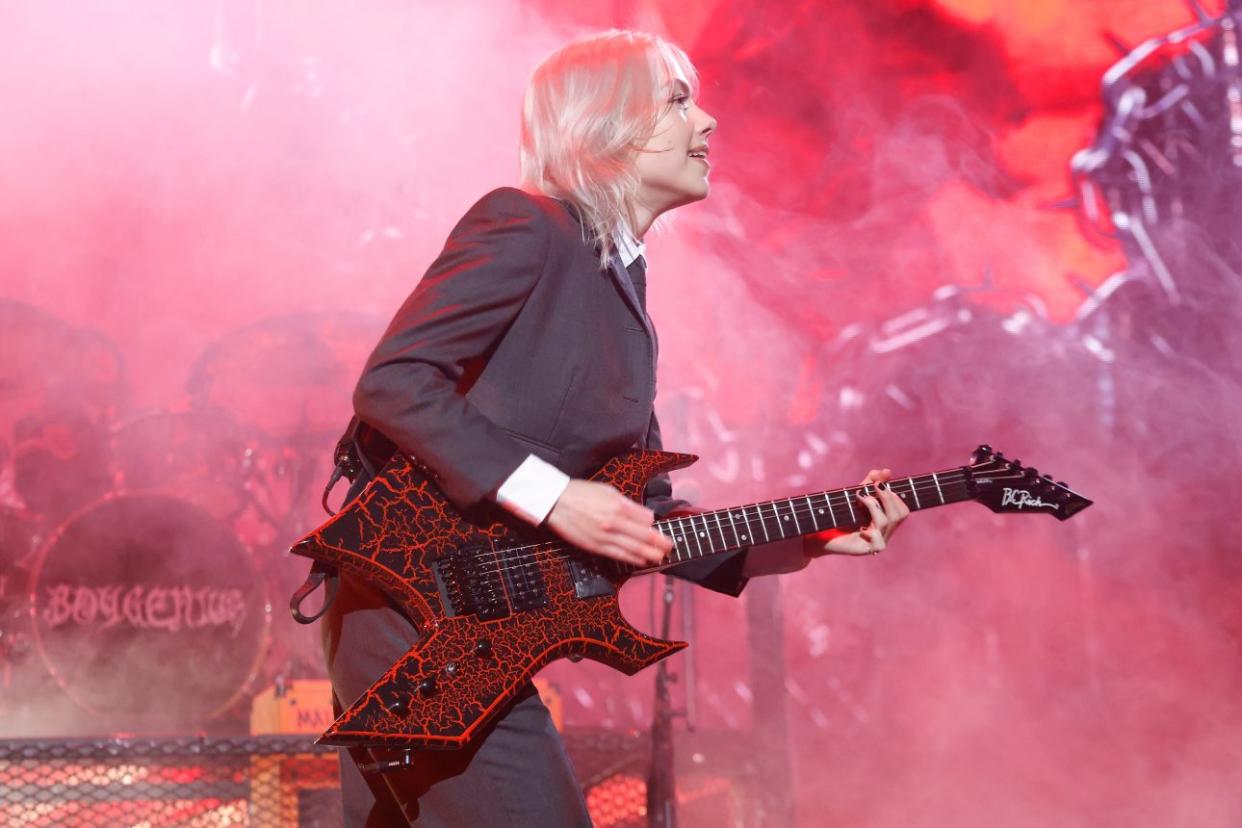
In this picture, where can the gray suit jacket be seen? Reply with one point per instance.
(516, 342)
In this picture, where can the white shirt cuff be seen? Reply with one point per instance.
(532, 490)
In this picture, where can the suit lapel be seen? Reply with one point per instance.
(626, 286)
(616, 272)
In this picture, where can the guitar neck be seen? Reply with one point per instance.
(705, 534)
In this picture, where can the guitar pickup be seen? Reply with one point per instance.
(527, 588)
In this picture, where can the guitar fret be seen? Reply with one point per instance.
(682, 548)
(706, 534)
(670, 534)
(849, 502)
(832, 510)
(938, 489)
(779, 524)
(811, 508)
(915, 493)
(736, 537)
(724, 544)
(750, 532)
(762, 525)
(694, 534)
(793, 511)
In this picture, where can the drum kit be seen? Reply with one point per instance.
(142, 552)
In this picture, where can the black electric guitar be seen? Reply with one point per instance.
(496, 601)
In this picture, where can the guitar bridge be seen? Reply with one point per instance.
(470, 583)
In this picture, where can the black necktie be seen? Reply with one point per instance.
(638, 275)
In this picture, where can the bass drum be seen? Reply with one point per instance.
(149, 613)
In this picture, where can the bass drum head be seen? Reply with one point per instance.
(149, 613)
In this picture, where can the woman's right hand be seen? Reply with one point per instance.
(597, 518)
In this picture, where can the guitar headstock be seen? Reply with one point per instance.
(1007, 486)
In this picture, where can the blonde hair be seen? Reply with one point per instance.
(589, 107)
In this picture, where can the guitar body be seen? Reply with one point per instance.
(494, 602)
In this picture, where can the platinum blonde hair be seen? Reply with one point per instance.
(589, 108)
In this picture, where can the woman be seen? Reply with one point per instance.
(521, 362)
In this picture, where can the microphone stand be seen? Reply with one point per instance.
(661, 776)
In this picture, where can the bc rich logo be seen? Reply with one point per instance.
(1022, 499)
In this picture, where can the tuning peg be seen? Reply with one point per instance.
(1047, 477)
(1062, 484)
(427, 686)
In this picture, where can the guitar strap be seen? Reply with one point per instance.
(349, 462)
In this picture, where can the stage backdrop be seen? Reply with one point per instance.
(210, 210)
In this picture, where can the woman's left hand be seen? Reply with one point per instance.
(887, 512)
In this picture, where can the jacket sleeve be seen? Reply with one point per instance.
(719, 573)
(411, 389)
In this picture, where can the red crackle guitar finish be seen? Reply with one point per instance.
(496, 601)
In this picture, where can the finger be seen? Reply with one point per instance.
(618, 554)
(630, 551)
(641, 547)
(875, 540)
(640, 530)
(876, 475)
(878, 518)
(894, 506)
(652, 546)
(640, 523)
(637, 511)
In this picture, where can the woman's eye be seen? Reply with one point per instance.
(682, 101)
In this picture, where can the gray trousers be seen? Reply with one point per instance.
(516, 775)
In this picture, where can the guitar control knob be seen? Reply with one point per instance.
(427, 686)
(394, 703)
(483, 648)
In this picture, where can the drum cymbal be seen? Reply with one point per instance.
(289, 375)
(45, 359)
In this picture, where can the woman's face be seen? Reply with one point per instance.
(673, 164)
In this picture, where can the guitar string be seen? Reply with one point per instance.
(554, 550)
(547, 549)
(950, 480)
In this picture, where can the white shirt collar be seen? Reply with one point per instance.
(629, 248)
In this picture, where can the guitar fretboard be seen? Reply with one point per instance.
(725, 530)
